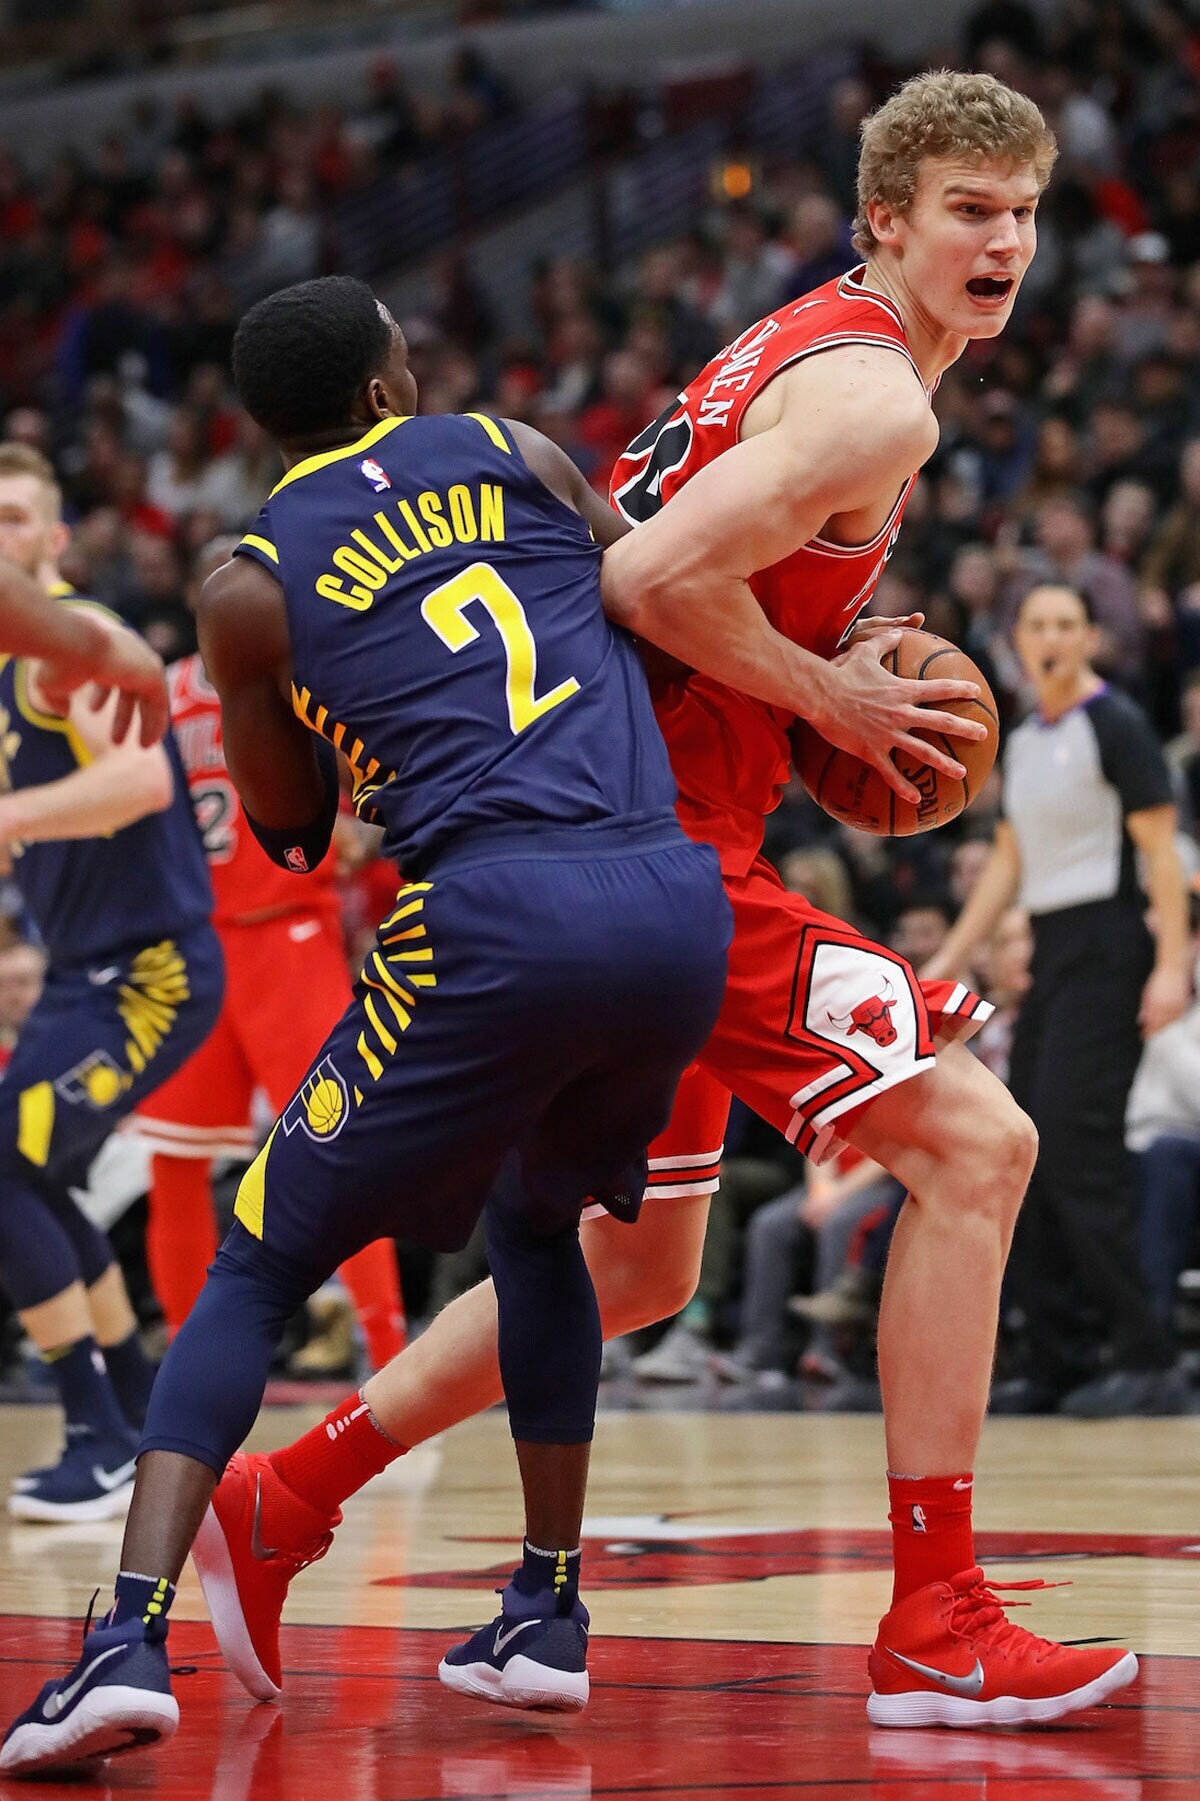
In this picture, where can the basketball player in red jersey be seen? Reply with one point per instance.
(287, 981)
(787, 464)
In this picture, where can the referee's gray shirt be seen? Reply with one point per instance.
(1068, 786)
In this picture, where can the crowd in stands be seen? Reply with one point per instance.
(1070, 450)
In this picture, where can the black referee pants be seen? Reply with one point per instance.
(1075, 1269)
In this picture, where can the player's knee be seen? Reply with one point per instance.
(1004, 1152)
(639, 1294)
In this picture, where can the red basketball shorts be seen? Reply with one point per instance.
(286, 984)
(816, 1021)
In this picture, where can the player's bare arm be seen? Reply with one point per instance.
(118, 780)
(843, 441)
(77, 647)
(241, 621)
(551, 464)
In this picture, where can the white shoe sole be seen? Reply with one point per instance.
(522, 1682)
(214, 1566)
(110, 1506)
(927, 1708)
(106, 1723)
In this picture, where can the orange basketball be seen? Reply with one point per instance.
(856, 794)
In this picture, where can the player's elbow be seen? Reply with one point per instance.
(647, 599)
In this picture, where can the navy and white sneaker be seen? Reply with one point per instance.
(532, 1655)
(117, 1698)
(92, 1480)
(29, 1479)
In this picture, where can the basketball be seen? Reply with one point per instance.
(325, 1106)
(856, 794)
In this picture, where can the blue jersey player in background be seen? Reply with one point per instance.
(423, 595)
(104, 849)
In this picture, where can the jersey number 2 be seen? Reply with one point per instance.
(445, 611)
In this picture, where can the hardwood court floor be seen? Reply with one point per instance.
(736, 1567)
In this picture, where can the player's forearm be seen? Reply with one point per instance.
(89, 803)
(31, 625)
(715, 625)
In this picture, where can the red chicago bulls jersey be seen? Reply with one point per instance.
(246, 884)
(730, 754)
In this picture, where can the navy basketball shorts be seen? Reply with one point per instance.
(541, 993)
(102, 1035)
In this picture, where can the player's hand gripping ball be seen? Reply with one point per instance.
(853, 792)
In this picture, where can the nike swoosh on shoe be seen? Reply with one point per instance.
(263, 1553)
(504, 1638)
(55, 1703)
(967, 1686)
(110, 1479)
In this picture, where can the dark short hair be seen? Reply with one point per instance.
(302, 355)
(1080, 594)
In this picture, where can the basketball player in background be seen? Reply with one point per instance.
(781, 474)
(106, 855)
(286, 984)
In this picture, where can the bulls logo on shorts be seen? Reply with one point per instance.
(873, 1018)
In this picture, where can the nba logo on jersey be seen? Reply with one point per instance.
(378, 478)
(295, 859)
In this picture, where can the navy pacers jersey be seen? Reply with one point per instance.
(89, 896)
(447, 637)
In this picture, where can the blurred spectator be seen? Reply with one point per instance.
(184, 475)
(1066, 554)
(818, 239)
(753, 268)
(1163, 1131)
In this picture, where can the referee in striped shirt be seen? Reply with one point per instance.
(1087, 796)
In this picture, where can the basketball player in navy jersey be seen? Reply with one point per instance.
(107, 857)
(423, 595)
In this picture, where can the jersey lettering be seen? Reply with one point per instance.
(445, 611)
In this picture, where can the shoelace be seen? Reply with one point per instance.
(977, 1615)
(295, 1561)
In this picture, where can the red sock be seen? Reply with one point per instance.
(181, 1233)
(931, 1530)
(373, 1279)
(332, 1462)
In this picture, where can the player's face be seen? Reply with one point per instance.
(1054, 638)
(967, 241)
(397, 379)
(26, 530)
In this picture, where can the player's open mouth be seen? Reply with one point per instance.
(995, 288)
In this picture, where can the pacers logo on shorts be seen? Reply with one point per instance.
(321, 1105)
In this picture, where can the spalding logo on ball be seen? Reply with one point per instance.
(854, 792)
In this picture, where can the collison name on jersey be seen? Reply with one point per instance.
(447, 636)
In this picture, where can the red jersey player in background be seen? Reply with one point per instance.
(786, 466)
(286, 983)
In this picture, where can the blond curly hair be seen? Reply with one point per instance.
(945, 113)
